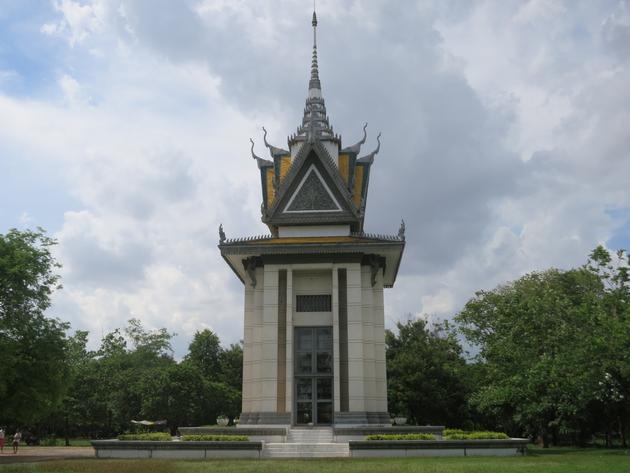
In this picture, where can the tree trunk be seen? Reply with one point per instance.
(545, 438)
(66, 430)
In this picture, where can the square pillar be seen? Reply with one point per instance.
(336, 341)
(356, 378)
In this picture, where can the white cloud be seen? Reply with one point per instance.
(505, 142)
(78, 20)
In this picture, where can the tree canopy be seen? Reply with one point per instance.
(554, 349)
(426, 374)
(33, 372)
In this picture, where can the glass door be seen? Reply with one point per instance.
(313, 376)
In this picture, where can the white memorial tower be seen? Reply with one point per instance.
(314, 341)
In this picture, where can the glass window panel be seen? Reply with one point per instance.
(324, 412)
(304, 339)
(304, 363)
(324, 389)
(304, 412)
(324, 363)
(304, 388)
(324, 339)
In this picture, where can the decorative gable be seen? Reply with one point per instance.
(312, 195)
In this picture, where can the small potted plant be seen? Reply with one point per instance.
(222, 421)
(400, 419)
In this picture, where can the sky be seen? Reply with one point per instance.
(125, 126)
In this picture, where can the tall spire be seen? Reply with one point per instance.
(315, 125)
(314, 86)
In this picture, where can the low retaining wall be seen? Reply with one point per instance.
(437, 448)
(255, 434)
(347, 434)
(175, 449)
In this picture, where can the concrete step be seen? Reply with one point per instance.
(305, 450)
(310, 438)
(310, 435)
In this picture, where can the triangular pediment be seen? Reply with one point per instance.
(313, 192)
(312, 195)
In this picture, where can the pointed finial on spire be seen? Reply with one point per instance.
(314, 86)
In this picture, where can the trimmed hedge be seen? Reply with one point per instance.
(458, 434)
(448, 432)
(401, 437)
(153, 436)
(215, 438)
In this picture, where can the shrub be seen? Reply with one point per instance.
(401, 437)
(454, 434)
(215, 438)
(153, 436)
(448, 432)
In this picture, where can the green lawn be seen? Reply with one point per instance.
(551, 461)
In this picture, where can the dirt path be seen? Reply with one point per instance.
(34, 454)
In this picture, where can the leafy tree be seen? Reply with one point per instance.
(544, 341)
(612, 392)
(425, 371)
(223, 371)
(231, 367)
(205, 353)
(33, 372)
(177, 393)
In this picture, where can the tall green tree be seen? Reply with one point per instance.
(205, 353)
(426, 374)
(223, 371)
(33, 372)
(545, 342)
(613, 378)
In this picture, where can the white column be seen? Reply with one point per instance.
(379, 345)
(256, 348)
(289, 356)
(336, 364)
(356, 384)
(368, 338)
(248, 341)
(269, 349)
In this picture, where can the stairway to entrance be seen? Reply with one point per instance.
(310, 435)
(316, 442)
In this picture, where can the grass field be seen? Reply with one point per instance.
(537, 461)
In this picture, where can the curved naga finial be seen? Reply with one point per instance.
(261, 162)
(370, 157)
(401, 230)
(221, 234)
(275, 152)
(357, 147)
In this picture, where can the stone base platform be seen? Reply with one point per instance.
(437, 448)
(176, 449)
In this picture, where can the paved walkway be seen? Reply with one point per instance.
(34, 454)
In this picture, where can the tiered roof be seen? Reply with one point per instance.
(343, 173)
(315, 186)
